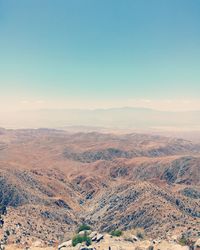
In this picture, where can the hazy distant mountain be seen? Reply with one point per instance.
(128, 118)
(118, 118)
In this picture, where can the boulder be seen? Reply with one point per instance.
(135, 238)
(65, 245)
(94, 238)
(86, 248)
(93, 234)
(82, 233)
(99, 237)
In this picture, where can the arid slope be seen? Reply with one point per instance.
(52, 180)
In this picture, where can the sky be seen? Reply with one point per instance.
(99, 54)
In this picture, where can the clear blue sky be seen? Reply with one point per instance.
(99, 50)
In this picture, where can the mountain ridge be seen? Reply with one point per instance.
(98, 181)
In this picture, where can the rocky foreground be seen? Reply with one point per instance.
(86, 239)
(107, 242)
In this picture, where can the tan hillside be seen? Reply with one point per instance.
(51, 181)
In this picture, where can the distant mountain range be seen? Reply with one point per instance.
(121, 118)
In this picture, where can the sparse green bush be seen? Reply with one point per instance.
(80, 239)
(76, 239)
(116, 233)
(183, 241)
(88, 241)
(83, 227)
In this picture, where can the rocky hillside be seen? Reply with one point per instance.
(51, 181)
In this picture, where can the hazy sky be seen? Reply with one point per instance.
(99, 53)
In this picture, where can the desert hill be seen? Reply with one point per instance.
(53, 180)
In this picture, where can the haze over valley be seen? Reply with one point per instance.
(119, 118)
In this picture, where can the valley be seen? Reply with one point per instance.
(52, 181)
